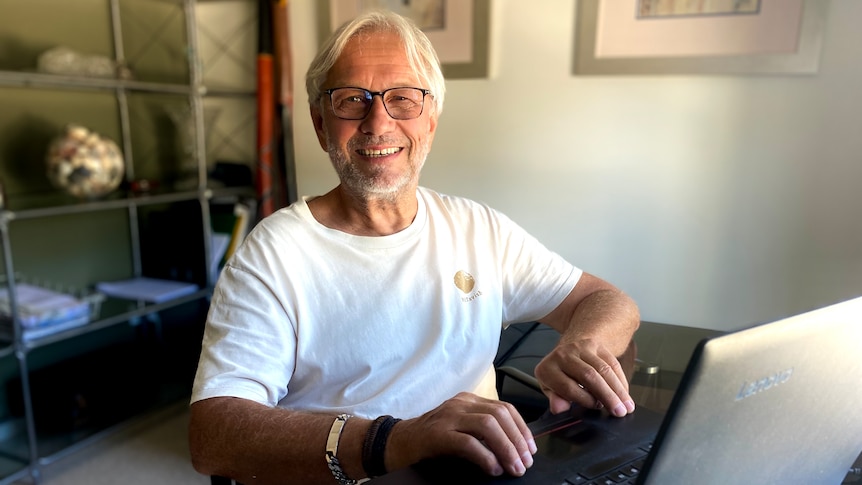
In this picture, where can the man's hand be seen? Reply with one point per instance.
(586, 373)
(491, 434)
(596, 322)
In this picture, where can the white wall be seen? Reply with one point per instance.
(716, 202)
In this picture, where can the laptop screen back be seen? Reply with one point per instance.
(776, 403)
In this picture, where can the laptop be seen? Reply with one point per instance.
(775, 403)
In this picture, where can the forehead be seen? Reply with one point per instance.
(372, 60)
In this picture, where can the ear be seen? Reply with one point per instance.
(432, 126)
(317, 121)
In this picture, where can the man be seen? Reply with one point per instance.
(353, 333)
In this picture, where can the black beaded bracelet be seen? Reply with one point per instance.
(367, 445)
(374, 447)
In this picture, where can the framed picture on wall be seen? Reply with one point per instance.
(458, 29)
(708, 37)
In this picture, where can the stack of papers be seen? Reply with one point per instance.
(147, 289)
(41, 311)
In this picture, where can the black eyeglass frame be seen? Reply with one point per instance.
(369, 95)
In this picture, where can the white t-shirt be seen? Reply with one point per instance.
(310, 318)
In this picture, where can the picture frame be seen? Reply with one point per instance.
(804, 58)
(461, 39)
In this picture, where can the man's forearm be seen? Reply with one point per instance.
(257, 444)
(608, 315)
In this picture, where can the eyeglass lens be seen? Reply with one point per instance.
(355, 103)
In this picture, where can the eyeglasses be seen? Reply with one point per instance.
(355, 103)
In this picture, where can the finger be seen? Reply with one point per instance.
(508, 417)
(472, 448)
(516, 432)
(574, 393)
(520, 434)
(591, 381)
(511, 455)
(556, 404)
(617, 367)
(608, 384)
(565, 384)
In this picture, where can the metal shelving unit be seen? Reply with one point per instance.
(160, 32)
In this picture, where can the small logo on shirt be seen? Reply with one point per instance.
(465, 282)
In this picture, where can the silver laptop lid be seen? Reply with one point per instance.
(777, 403)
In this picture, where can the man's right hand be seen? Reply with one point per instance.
(491, 434)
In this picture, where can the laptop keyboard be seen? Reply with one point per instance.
(623, 469)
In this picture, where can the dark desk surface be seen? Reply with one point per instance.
(665, 349)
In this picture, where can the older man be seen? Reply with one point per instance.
(353, 333)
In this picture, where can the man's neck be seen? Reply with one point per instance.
(342, 211)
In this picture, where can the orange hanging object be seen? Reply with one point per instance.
(265, 111)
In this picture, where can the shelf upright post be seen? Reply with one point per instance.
(20, 350)
(125, 129)
(196, 93)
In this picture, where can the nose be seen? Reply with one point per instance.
(377, 120)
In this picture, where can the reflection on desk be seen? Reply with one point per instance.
(663, 351)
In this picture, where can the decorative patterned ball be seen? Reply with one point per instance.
(84, 164)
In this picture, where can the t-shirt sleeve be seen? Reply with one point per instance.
(535, 279)
(243, 316)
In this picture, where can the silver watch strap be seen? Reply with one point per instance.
(332, 451)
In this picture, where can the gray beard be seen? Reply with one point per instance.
(373, 186)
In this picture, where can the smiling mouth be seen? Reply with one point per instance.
(379, 153)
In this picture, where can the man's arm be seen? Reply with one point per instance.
(253, 443)
(596, 322)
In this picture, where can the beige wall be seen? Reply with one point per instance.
(715, 202)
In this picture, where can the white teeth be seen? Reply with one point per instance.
(379, 153)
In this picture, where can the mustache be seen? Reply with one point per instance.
(365, 141)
